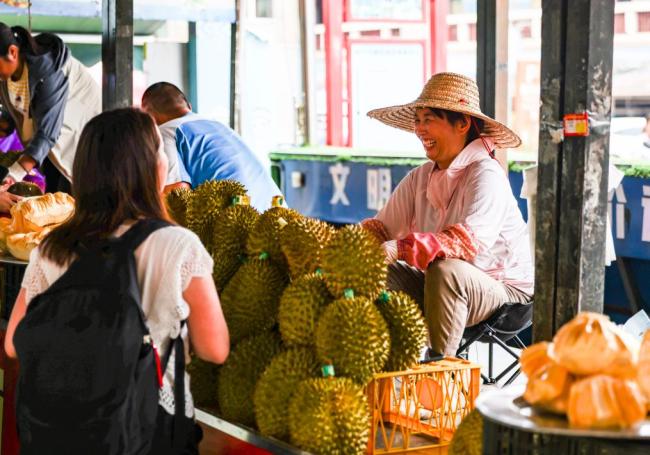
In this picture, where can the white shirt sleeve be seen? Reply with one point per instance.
(35, 280)
(168, 134)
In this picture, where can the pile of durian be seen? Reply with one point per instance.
(309, 319)
(593, 372)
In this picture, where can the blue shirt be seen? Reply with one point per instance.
(199, 150)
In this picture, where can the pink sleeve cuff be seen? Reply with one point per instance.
(376, 228)
(420, 249)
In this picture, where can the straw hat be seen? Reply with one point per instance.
(452, 92)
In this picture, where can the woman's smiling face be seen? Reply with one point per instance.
(442, 140)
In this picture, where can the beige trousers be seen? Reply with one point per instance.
(453, 294)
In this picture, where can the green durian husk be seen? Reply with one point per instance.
(354, 260)
(276, 387)
(239, 375)
(265, 235)
(231, 230)
(250, 300)
(301, 304)
(408, 330)
(352, 335)
(302, 241)
(468, 438)
(177, 201)
(329, 416)
(203, 383)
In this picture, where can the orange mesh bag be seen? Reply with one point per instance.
(603, 401)
(591, 344)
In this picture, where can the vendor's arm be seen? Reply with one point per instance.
(48, 108)
(394, 220)
(486, 200)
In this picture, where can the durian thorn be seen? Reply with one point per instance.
(263, 255)
(282, 223)
(384, 297)
(318, 271)
(348, 293)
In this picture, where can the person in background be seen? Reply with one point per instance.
(199, 149)
(646, 130)
(51, 96)
(452, 231)
(9, 139)
(174, 271)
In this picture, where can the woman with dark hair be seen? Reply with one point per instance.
(119, 174)
(50, 96)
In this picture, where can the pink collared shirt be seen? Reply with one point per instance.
(473, 191)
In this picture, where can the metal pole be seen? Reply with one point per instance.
(192, 67)
(333, 20)
(117, 53)
(486, 53)
(577, 51)
(308, 46)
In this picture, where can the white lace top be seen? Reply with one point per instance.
(166, 261)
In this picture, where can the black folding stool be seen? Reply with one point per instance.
(503, 327)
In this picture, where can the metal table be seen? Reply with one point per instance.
(512, 426)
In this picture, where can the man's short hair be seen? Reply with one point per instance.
(165, 98)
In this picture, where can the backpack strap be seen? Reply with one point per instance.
(139, 232)
(179, 386)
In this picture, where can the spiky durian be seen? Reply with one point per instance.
(231, 230)
(203, 382)
(177, 201)
(468, 438)
(302, 240)
(276, 387)
(300, 306)
(251, 298)
(408, 331)
(265, 235)
(354, 260)
(352, 336)
(207, 200)
(239, 375)
(25, 189)
(329, 416)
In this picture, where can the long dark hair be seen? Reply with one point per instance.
(114, 179)
(18, 36)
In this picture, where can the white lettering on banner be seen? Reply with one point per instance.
(340, 175)
(372, 188)
(645, 202)
(621, 200)
(384, 187)
(378, 183)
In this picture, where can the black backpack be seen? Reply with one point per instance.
(89, 374)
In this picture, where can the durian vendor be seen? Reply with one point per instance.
(51, 96)
(200, 149)
(452, 231)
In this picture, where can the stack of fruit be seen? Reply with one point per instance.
(309, 319)
(31, 219)
(593, 372)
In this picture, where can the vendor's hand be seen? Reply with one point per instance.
(8, 200)
(390, 250)
(7, 182)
